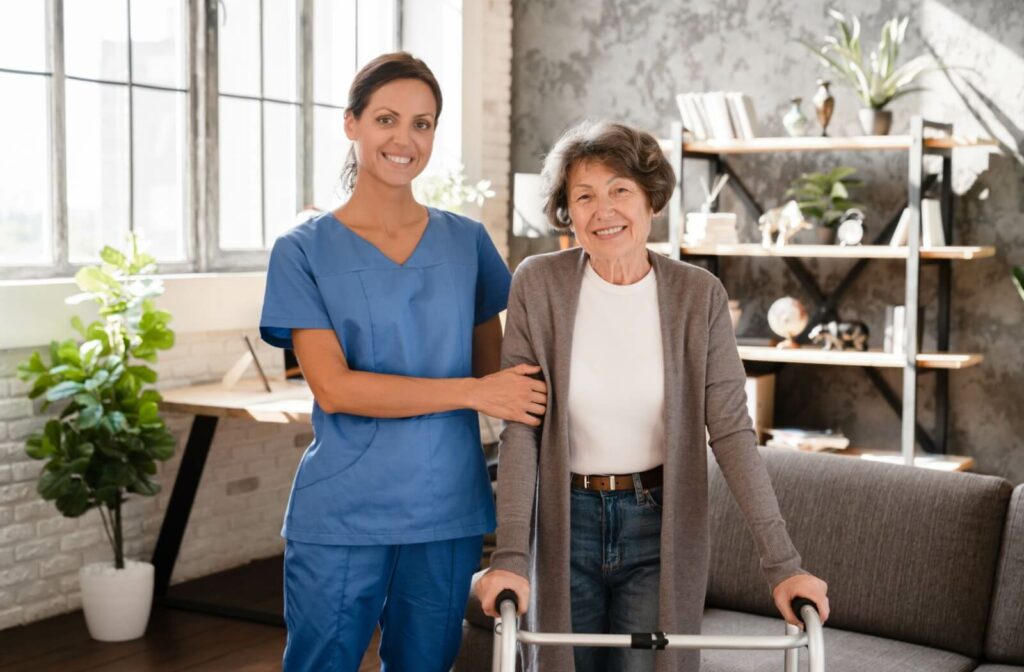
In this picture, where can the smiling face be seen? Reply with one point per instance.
(394, 135)
(610, 213)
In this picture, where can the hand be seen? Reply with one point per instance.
(512, 394)
(493, 582)
(801, 585)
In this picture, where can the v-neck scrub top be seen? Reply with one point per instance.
(383, 481)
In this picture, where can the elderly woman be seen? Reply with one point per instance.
(639, 356)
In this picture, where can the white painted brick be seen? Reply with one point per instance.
(78, 540)
(22, 429)
(18, 388)
(6, 599)
(37, 548)
(6, 515)
(46, 609)
(6, 558)
(13, 409)
(54, 526)
(27, 471)
(15, 533)
(5, 473)
(16, 574)
(18, 492)
(11, 617)
(59, 564)
(36, 591)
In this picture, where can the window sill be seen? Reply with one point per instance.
(34, 312)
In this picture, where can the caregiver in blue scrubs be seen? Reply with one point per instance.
(392, 310)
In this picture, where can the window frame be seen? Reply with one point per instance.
(202, 225)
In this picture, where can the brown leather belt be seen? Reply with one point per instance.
(652, 478)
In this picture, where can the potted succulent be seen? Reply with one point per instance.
(878, 82)
(103, 446)
(824, 197)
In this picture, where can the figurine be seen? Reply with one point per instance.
(786, 221)
(840, 335)
(824, 104)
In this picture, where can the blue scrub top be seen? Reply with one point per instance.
(381, 481)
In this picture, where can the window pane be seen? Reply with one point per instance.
(160, 168)
(330, 147)
(238, 47)
(96, 39)
(25, 216)
(334, 50)
(158, 42)
(376, 29)
(23, 35)
(280, 168)
(240, 194)
(97, 157)
(279, 55)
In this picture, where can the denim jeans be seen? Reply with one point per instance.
(614, 571)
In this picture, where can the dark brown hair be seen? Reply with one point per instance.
(625, 150)
(375, 74)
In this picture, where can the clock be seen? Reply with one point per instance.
(851, 227)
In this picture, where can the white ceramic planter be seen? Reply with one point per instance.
(116, 602)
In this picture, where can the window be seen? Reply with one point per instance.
(116, 125)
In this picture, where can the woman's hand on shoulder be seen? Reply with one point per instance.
(490, 585)
(801, 585)
(512, 394)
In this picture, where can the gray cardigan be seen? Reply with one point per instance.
(704, 387)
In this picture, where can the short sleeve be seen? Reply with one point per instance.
(292, 299)
(492, 279)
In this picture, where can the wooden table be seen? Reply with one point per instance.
(287, 403)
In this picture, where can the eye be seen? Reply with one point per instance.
(582, 197)
(621, 190)
(385, 120)
(424, 125)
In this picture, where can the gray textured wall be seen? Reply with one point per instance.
(626, 59)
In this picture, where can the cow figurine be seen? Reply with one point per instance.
(840, 335)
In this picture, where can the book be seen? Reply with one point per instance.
(807, 439)
(932, 233)
(899, 234)
(744, 121)
(718, 114)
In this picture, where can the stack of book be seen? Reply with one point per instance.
(711, 228)
(717, 115)
(807, 439)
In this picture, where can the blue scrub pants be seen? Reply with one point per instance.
(335, 595)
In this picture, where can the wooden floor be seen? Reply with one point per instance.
(175, 640)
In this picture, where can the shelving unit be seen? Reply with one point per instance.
(825, 306)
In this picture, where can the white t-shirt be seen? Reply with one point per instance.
(617, 378)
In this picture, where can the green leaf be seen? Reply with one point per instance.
(38, 449)
(118, 421)
(1018, 279)
(143, 373)
(63, 390)
(97, 380)
(144, 486)
(53, 484)
(75, 500)
(89, 417)
(33, 366)
(89, 353)
(86, 400)
(113, 257)
(93, 279)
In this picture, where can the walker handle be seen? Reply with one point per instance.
(506, 594)
(799, 603)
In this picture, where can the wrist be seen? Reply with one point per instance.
(467, 393)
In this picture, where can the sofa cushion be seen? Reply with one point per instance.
(908, 553)
(844, 651)
(1005, 641)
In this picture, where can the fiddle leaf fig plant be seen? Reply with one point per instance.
(1018, 279)
(103, 446)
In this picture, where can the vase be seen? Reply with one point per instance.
(824, 105)
(116, 602)
(875, 122)
(794, 120)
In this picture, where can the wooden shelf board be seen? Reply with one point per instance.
(957, 252)
(923, 460)
(875, 358)
(825, 144)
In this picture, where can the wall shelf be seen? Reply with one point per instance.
(955, 252)
(826, 144)
(874, 358)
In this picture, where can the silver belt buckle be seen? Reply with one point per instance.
(611, 482)
(586, 482)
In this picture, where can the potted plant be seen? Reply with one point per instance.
(103, 447)
(450, 191)
(878, 82)
(824, 197)
(1018, 279)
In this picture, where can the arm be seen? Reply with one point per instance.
(517, 476)
(487, 347)
(509, 394)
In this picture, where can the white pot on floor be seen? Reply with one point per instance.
(116, 602)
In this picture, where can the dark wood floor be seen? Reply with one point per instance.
(175, 640)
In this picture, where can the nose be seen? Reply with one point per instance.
(401, 134)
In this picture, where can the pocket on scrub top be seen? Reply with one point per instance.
(337, 450)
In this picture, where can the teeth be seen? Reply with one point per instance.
(609, 232)
(398, 159)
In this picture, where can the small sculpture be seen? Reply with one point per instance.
(824, 104)
(840, 335)
(794, 121)
(787, 317)
(786, 221)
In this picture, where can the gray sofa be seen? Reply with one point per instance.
(925, 569)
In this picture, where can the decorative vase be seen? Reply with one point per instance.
(824, 104)
(794, 120)
(875, 122)
(116, 602)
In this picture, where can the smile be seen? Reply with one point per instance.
(402, 160)
(605, 233)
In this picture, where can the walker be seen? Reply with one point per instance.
(507, 634)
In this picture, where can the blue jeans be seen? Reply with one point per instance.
(614, 570)
(334, 596)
